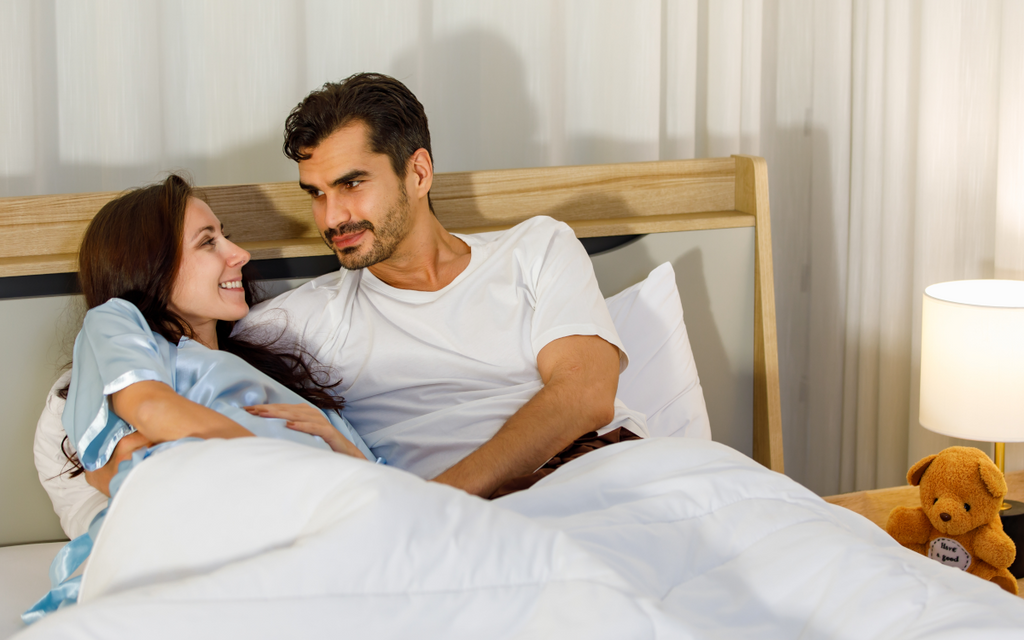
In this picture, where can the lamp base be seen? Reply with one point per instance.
(1013, 525)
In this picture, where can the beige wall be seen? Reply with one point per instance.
(32, 335)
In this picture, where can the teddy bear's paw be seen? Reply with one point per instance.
(995, 547)
(1005, 579)
(999, 557)
(910, 527)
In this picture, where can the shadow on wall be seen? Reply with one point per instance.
(480, 111)
(709, 349)
(826, 447)
(831, 443)
(482, 115)
(788, 152)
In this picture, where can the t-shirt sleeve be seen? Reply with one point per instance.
(114, 350)
(568, 300)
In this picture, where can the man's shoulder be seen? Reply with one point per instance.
(534, 230)
(541, 225)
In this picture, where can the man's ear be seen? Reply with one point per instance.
(421, 167)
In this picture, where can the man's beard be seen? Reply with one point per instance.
(386, 237)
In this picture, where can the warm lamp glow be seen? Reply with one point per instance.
(972, 360)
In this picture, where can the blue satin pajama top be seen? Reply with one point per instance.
(116, 348)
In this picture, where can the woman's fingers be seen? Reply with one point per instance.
(308, 419)
(326, 431)
(337, 442)
(286, 411)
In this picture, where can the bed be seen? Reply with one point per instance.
(669, 537)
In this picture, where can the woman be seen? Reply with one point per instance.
(155, 361)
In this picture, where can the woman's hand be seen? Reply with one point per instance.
(308, 419)
(100, 478)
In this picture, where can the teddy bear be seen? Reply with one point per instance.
(958, 521)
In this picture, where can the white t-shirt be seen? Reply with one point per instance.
(429, 376)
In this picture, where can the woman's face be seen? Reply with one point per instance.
(209, 283)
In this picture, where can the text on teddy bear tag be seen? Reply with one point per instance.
(949, 552)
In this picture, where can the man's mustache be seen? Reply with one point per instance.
(346, 229)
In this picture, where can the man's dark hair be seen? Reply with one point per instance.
(396, 122)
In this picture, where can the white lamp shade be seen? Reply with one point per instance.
(972, 360)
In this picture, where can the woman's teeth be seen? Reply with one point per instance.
(235, 284)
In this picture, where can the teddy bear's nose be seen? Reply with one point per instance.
(945, 517)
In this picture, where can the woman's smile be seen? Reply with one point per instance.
(208, 286)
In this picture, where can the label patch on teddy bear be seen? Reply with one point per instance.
(949, 552)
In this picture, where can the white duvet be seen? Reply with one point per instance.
(670, 538)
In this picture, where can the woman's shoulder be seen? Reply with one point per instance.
(115, 308)
(115, 315)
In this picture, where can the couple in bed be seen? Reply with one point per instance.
(477, 361)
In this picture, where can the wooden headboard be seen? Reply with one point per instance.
(40, 235)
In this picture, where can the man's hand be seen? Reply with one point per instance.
(580, 376)
(307, 419)
(100, 478)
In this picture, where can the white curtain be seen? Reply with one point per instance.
(917, 177)
(894, 133)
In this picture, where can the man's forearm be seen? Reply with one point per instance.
(540, 429)
(581, 378)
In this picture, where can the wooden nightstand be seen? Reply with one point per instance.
(876, 504)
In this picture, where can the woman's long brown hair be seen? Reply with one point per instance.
(132, 249)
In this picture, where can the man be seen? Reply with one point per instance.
(470, 360)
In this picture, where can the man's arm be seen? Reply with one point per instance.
(580, 376)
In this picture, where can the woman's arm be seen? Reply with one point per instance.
(160, 414)
(100, 478)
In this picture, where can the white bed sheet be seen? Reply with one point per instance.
(23, 579)
(669, 538)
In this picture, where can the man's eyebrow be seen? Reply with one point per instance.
(355, 174)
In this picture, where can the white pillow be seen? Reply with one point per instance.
(661, 380)
(74, 500)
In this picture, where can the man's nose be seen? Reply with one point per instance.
(336, 211)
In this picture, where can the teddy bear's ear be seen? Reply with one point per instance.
(916, 471)
(994, 481)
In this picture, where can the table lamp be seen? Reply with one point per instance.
(972, 372)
